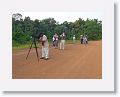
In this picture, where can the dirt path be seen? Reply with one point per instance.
(75, 62)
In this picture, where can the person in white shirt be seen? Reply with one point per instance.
(53, 41)
(74, 38)
(81, 39)
(45, 47)
(84, 39)
(62, 42)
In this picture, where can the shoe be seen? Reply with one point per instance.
(42, 58)
(46, 58)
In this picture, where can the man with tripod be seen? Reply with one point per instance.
(45, 46)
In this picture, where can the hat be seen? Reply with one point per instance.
(41, 34)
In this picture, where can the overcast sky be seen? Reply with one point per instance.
(62, 16)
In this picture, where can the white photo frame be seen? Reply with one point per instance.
(104, 84)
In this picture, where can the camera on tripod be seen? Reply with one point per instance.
(35, 37)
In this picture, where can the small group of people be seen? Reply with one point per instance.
(45, 44)
(56, 39)
(83, 39)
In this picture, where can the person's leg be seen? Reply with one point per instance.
(53, 43)
(63, 44)
(57, 43)
(86, 41)
(81, 41)
(60, 44)
(43, 53)
(74, 41)
(46, 52)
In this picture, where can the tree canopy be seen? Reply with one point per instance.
(23, 29)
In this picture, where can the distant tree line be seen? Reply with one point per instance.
(23, 29)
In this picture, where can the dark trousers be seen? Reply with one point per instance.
(56, 43)
(53, 43)
(81, 40)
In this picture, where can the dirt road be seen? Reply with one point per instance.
(75, 62)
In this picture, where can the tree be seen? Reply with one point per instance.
(17, 16)
(23, 29)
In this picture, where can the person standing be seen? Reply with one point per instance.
(53, 41)
(81, 39)
(62, 42)
(84, 39)
(56, 40)
(45, 47)
(74, 38)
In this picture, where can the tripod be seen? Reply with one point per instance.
(33, 42)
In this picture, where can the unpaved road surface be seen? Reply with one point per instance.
(75, 62)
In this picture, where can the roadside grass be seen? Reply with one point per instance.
(23, 46)
(26, 46)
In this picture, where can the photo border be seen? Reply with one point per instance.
(104, 84)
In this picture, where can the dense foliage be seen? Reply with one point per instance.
(23, 29)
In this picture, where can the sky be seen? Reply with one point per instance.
(62, 16)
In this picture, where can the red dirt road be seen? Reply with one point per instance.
(75, 62)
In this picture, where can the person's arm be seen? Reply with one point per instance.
(43, 43)
(44, 38)
(41, 40)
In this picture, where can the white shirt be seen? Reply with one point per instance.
(73, 37)
(44, 38)
(53, 38)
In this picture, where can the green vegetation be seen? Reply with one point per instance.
(23, 46)
(23, 29)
